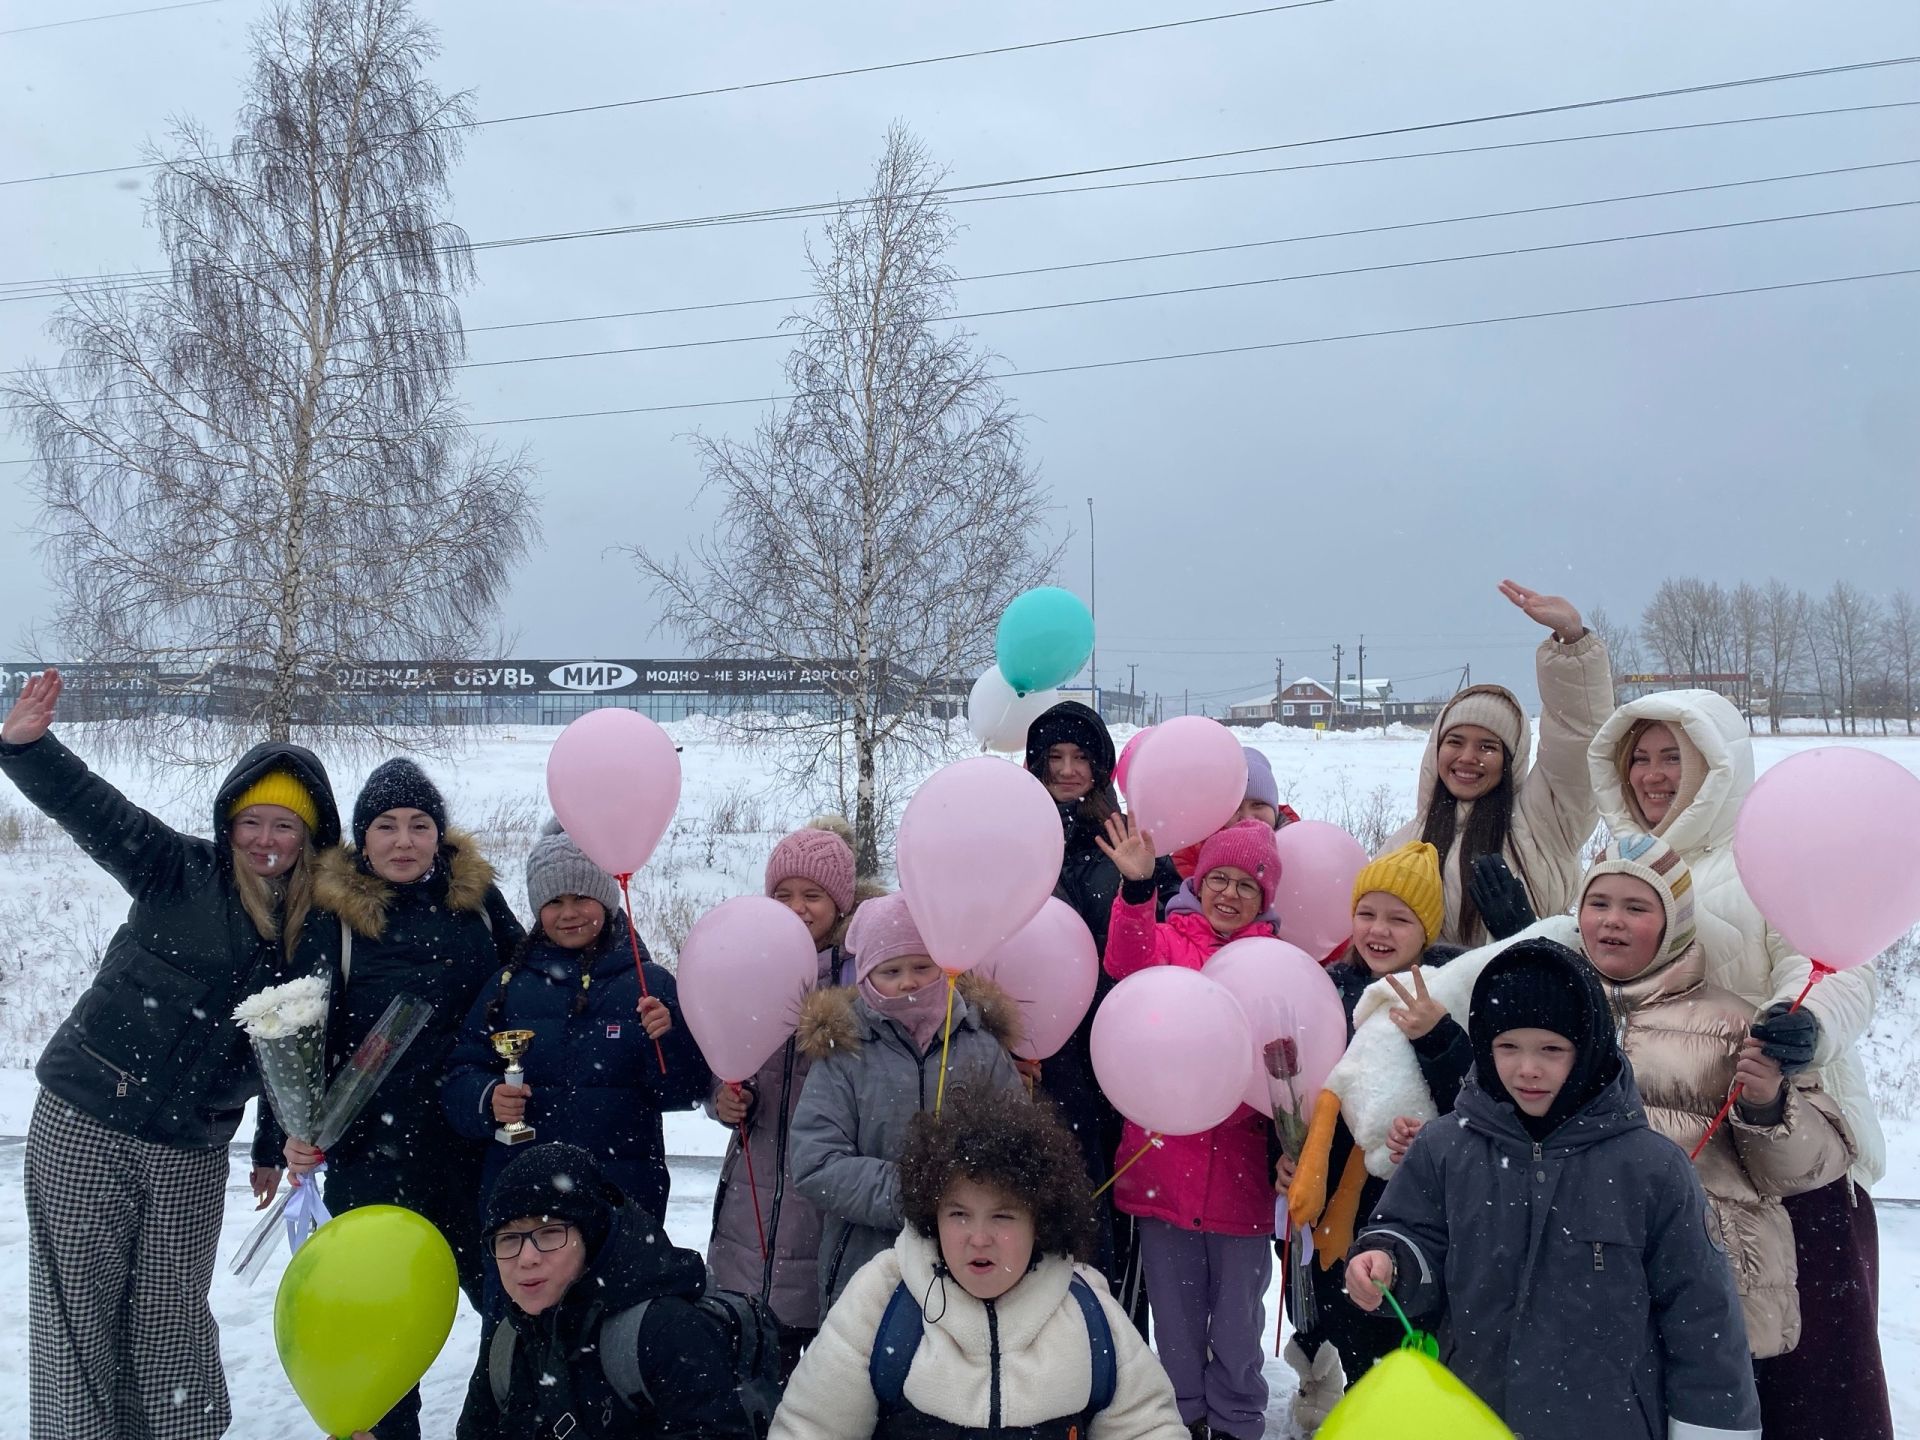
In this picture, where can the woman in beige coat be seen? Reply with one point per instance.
(1482, 792)
(1690, 1041)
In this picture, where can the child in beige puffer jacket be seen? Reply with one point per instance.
(1689, 1042)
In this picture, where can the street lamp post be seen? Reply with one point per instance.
(1093, 608)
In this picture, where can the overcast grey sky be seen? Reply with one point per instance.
(1249, 505)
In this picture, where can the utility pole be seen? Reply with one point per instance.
(1134, 707)
(1339, 656)
(1278, 686)
(1363, 682)
(1093, 608)
(1183, 702)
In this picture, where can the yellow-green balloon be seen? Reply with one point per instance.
(362, 1311)
(1408, 1394)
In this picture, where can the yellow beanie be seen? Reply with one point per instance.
(1410, 874)
(278, 787)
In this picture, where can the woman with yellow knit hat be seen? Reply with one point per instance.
(1399, 907)
(142, 1086)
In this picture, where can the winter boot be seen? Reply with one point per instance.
(1199, 1431)
(1322, 1383)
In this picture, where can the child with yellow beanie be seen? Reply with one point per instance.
(1399, 907)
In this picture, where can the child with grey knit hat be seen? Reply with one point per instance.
(608, 1055)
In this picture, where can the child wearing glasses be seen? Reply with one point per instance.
(575, 1257)
(1204, 1202)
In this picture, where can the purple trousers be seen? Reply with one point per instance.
(1831, 1386)
(1207, 1294)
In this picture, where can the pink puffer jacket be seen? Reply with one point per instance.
(1218, 1181)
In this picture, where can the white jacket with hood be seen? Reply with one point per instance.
(1553, 811)
(1744, 953)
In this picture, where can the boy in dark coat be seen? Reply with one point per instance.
(1559, 1243)
(571, 1255)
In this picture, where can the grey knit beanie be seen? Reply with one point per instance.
(556, 867)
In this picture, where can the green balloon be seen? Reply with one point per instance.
(1045, 636)
(363, 1309)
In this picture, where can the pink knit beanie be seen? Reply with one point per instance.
(817, 854)
(882, 930)
(1247, 845)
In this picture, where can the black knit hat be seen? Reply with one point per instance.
(556, 1181)
(396, 785)
(1071, 723)
(1541, 985)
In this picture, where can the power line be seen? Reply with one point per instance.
(1270, 345)
(113, 15)
(113, 281)
(734, 89)
(1503, 253)
(1170, 293)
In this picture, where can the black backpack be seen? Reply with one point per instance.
(753, 1336)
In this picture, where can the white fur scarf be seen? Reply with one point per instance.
(1378, 1079)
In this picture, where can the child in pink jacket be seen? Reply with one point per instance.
(1204, 1202)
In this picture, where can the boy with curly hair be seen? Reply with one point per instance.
(979, 1320)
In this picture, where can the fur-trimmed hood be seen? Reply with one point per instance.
(362, 899)
(833, 1020)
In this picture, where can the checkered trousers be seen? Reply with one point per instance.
(122, 1235)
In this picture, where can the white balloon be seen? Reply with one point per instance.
(998, 718)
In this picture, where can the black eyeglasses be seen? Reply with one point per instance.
(548, 1238)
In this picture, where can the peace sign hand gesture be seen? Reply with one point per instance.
(1128, 846)
(1421, 1012)
(32, 713)
(1555, 612)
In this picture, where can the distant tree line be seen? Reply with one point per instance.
(1842, 657)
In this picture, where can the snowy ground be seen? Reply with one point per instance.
(56, 912)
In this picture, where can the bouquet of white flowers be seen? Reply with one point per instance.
(287, 1025)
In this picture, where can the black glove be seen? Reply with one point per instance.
(1788, 1036)
(1500, 898)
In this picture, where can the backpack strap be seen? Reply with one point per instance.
(346, 952)
(1106, 1365)
(894, 1346)
(500, 1362)
(620, 1354)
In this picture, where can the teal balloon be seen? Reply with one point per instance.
(1044, 638)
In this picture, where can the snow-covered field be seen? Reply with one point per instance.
(56, 911)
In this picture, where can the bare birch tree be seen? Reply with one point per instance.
(262, 465)
(1686, 625)
(1623, 647)
(1846, 621)
(1784, 631)
(1900, 641)
(880, 521)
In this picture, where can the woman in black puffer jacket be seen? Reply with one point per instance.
(420, 915)
(142, 1086)
(1070, 752)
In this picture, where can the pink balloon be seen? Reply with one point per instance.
(1125, 762)
(1050, 968)
(744, 968)
(1286, 995)
(1186, 781)
(1318, 865)
(978, 852)
(1828, 845)
(1172, 1050)
(614, 779)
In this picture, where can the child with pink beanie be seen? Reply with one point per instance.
(1204, 1202)
(876, 1049)
(811, 872)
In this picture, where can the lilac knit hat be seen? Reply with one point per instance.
(1246, 846)
(817, 854)
(882, 930)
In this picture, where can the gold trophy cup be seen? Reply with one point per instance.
(510, 1045)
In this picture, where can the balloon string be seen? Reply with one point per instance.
(633, 936)
(946, 1040)
(1820, 971)
(1413, 1336)
(753, 1185)
(1153, 1143)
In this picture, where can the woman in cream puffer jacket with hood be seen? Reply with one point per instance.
(1694, 768)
